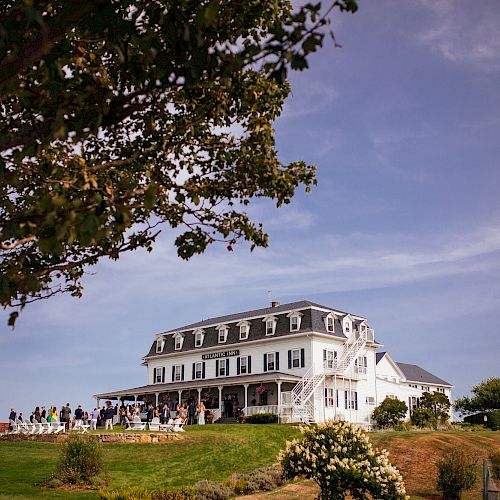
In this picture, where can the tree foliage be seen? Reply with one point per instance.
(486, 396)
(118, 116)
(438, 403)
(390, 412)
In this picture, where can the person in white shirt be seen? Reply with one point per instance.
(94, 415)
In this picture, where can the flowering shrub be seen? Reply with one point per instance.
(341, 459)
(260, 389)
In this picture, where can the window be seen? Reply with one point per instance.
(426, 388)
(198, 338)
(351, 400)
(392, 396)
(415, 386)
(440, 389)
(370, 400)
(221, 367)
(413, 402)
(222, 334)
(179, 340)
(347, 326)
(159, 375)
(159, 344)
(329, 359)
(295, 321)
(329, 397)
(177, 373)
(198, 370)
(244, 329)
(361, 364)
(271, 361)
(330, 323)
(295, 358)
(243, 365)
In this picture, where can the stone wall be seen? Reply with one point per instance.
(118, 437)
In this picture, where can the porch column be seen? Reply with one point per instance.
(220, 399)
(156, 398)
(180, 396)
(98, 402)
(246, 394)
(278, 383)
(135, 399)
(199, 395)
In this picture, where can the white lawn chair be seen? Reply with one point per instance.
(84, 428)
(137, 425)
(21, 427)
(154, 425)
(168, 427)
(178, 423)
(37, 428)
(30, 427)
(58, 427)
(15, 427)
(47, 428)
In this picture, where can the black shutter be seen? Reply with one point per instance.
(163, 375)
(237, 366)
(345, 399)
(182, 373)
(216, 367)
(154, 375)
(203, 370)
(173, 373)
(337, 398)
(249, 364)
(289, 359)
(265, 362)
(324, 356)
(194, 370)
(355, 400)
(326, 396)
(302, 358)
(277, 364)
(227, 367)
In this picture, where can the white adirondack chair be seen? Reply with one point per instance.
(154, 425)
(47, 428)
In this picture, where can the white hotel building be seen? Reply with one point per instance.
(313, 363)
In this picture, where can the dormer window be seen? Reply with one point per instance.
(330, 323)
(295, 321)
(347, 324)
(271, 322)
(160, 343)
(199, 336)
(244, 327)
(222, 334)
(179, 340)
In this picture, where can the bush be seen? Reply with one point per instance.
(493, 419)
(130, 493)
(457, 471)
(81, 460)
(341, 459)
(262, 418)
(185, 493)
(389, 412)
(423, 417)
(211, 491)
(495, 464)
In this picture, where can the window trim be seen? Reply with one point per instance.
(224, 329)
(160, 341)
(330, 317)
(246, 365)
(175, 373)
(196, 363)
(273, 354)
(246, 325)
(273, 321)
(199, 335)
(178, 339)
(298, 358)
(295, 315)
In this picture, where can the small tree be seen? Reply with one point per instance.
(390, 412)
(423, 417)
(457, 471)
(439, 404)
(486, 396)
(341, 459)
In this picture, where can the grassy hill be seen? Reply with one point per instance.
(216, 451)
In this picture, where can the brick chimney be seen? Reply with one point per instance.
(275, 303)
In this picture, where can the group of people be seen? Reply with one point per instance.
(188, 413)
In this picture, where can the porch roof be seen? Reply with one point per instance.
(200, 384)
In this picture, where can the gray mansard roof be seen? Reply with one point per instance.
(413, 373)
(312, 320)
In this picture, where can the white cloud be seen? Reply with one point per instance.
(464, 32)
(313, 97)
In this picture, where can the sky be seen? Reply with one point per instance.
(403, 228)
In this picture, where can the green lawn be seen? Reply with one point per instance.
(208, 452)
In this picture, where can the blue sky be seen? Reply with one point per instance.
(404, 226)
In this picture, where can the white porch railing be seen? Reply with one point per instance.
(254, 410)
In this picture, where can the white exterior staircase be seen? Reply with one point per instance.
(300, 398)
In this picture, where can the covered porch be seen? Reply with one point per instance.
(250, 393)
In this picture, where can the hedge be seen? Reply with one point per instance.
(262, 418)
(492, 423)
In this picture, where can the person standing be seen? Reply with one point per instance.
(12, 416)
(79, 417)
(201, 413)
(43, 412)
(192, 412)
(67, 415)
(109, 413)
(165, 414)
(94, 416)
(150, 413)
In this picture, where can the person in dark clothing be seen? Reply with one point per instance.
(165, 414)
(109, 413)
(37, 415)
(150, 413)
(43, 413)
(67, 413)
(192, 412)
(12, 416)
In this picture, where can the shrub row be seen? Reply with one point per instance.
(262, 418)
(263, 479)
(493, 419)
